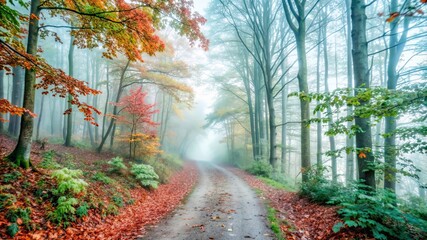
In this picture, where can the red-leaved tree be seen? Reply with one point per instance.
(138, 116)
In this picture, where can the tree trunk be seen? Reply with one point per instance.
(318, 114)
(396, 49)
(21, 154)
(349, 174)
(40, 117)
(115, 109)
(104, 118)
(305, 105)
(365, 158)
(113, 134)
(95, 98)
(329, 109)
(70, 98)
(18, 82)
(299, 31)
(284, 119)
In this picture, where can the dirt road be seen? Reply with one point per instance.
(222, 206)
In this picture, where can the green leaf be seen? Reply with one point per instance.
(12, 229)
(337, 227)
(351, 223)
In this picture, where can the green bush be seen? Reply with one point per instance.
(319, 189)
(69, 181)
(6, 200)
(14, 214)
(377, 212)
(48, 161)
(12, 229)
(163, 171)
(260, 168)
(416, 206)
(165, 166)
(65, 211)
(11, 177)
(146, 175)
(112, 210)
(82, 210)
(101, 177)
(118, 201)
(117, 164)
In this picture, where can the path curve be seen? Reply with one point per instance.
(222, 206)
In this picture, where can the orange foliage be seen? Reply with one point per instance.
(116, 25)
(392, 17)
(52, 80)
(7, 107)
(362, 155)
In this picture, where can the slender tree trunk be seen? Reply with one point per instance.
(115, 109)
(165, 121)
(91, 138)
(284, 119)
(319, 115)
(259, 113)
(18, 82)
(305, 105)
(349, 175)
(365, 158)
(268, 78)
(95, 98)
(21, 154)
(299, 31)
(247, 84)
(52, 104)
(104, 118)
(40, 116)
(396, 49)
(113, 134)
(328, 109)
(69, 131)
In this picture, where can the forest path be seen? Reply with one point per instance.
(222, 206)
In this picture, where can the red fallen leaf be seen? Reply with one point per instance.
(19, 221)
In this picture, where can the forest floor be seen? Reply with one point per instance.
(139, 207)
(298, 217)
(222, 206)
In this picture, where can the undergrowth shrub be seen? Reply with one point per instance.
(18, 216)
(378, 212)
(112, 210)
(118, 201)
(82, 210)
(6, 200)
(65, 211)
(11, 177)
(319, 189)
(172, 161)
(117, 164)
(165, 166)
(101, 177)
(145, 174)
(260, 168)
(69, 181)
(416, 206)
(48, 161)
